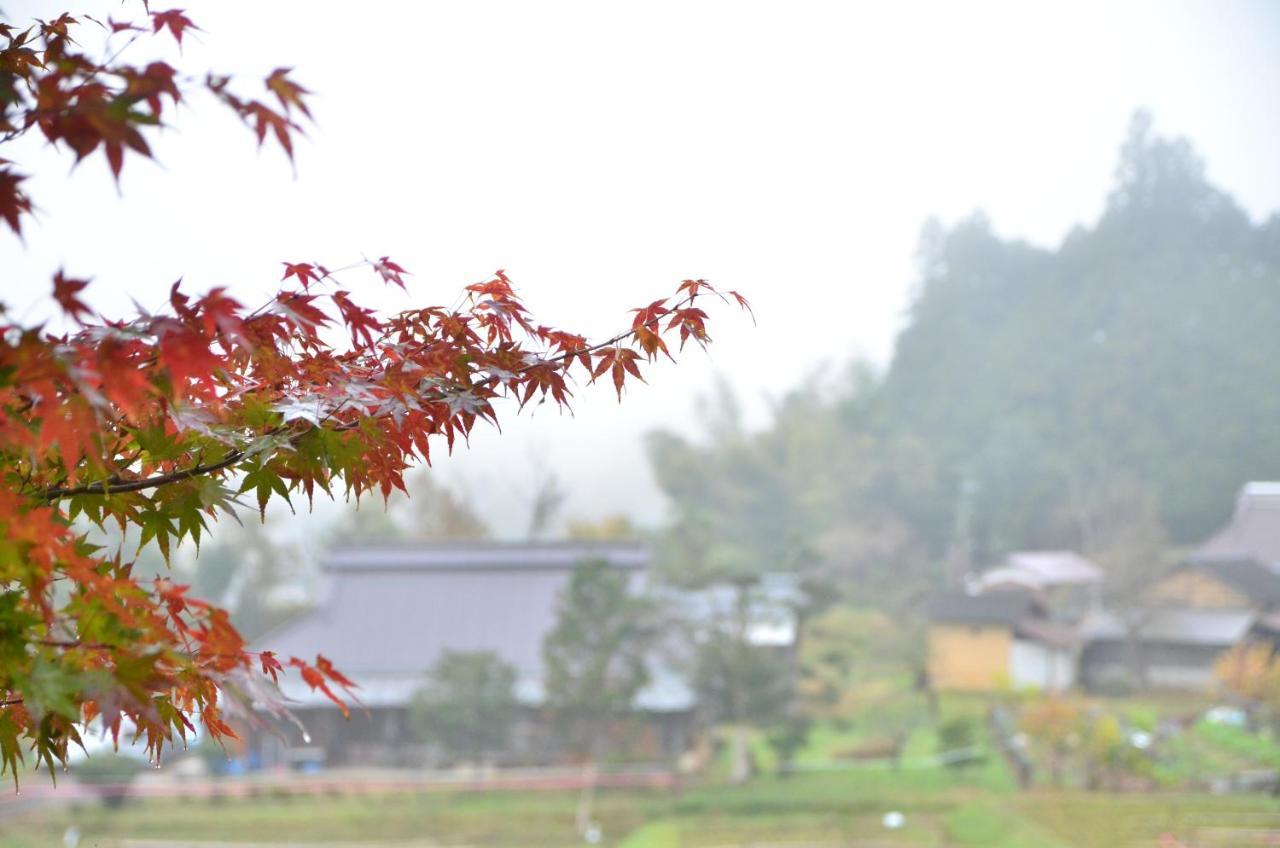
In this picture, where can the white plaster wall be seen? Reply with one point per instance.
(1038, 666)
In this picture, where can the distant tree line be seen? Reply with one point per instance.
(1108, 396)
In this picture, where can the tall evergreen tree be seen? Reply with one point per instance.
(1027, 385)
(595, 656)
(468, 704)
(1144, 346)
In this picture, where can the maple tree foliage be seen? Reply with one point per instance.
(164, 422)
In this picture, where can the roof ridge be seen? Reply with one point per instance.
(503, 544)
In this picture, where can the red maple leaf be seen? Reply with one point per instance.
(65, 291)
(13, 200)
(175, 20)
(390, 271)
(304, 271)
(289, 93)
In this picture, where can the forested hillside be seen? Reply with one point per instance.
(1029, 391)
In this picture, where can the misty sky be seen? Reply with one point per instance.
(601, 152)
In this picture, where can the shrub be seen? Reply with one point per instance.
(110, 775)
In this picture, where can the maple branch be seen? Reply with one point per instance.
(105, 63)
(113, 485)
(76, 643)
(116, 484)
(327, 275)
(88, 77)
(655, 324)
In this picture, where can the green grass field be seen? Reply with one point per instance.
(833, 799)
(815, 809)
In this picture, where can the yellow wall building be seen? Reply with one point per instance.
(997, 640)
(968, 657)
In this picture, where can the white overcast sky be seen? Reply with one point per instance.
(601, 152)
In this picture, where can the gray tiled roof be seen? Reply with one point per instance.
(1053, 568)
(1254, 529)
(388, 611)
(989, 608)
(1207, 627)
(470, 555)
(1054, 633)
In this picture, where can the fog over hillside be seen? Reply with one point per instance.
(600, 155)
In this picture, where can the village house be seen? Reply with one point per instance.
(1176, 648)
(1069, 585)
(386, 612)
(996, 640)
(1239, 566)
(1012, 627)
(1227, 591)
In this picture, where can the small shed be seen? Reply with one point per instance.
(997, 640)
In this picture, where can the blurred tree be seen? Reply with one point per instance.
(611, 528)
(436, 511)
(816, 493)
(468, 704)
(835, 645)
(1138, 345)
(247, 573)
(958, 738)
(1250, 674)
(157, 421)
(744, 685)
(1122, 532)
(1055, 725)
(846, 645)
(1110, 756)
(427, 510)
(1026, 388)
(369, 521)
(548, 499)
(109, 775)
(787, 736)
(595, 656)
